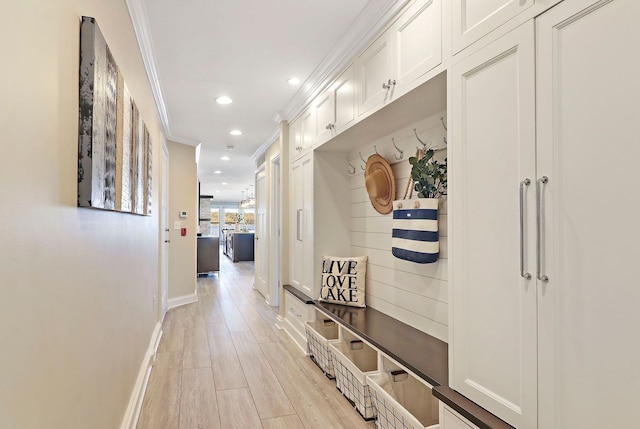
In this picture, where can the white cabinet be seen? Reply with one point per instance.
(548, 340)
(418, 44)
(493, 338)
(295, 139)
(301, 225)
(587, 137)
(297, 313)
(335, 108)
(473, 19)
(302, 133)
(397, 61)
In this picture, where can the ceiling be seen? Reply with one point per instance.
(198, 50)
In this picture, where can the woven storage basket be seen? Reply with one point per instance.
(320, 333)
(402, 402)
(353, 361)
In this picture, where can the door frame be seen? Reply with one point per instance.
(275, 228)
(163, 286)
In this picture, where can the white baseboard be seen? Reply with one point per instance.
(298, 339)
(181, 300)
(135, 401)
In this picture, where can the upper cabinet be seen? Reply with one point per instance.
(398, 60)
(302, 133)
(335, 108)
(473, 19)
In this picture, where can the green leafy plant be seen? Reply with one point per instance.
(429, 176)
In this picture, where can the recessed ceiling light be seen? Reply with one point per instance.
(225, 158)
(218, 190)
(236, 133)
(293, 81)
(224, 183)
(217, 172)
(224, 100)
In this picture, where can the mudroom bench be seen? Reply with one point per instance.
(421, 354)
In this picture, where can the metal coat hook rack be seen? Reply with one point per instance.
(398, 158)
(424, 145)
(363, 161)
(352, 168)
(444, 125)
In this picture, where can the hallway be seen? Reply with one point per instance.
(222, 363)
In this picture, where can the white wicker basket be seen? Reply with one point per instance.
(320, 333)
(402, 402)
(353, 361)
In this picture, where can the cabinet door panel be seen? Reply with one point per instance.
(345, 100)
(295, 230)
(493, 344)
(308, 128)
(295, 139)
(418, 42)
(325, 116)
(588, 128)
(375, 67)
(473, 19)
(307, 226)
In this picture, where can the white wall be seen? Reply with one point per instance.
(415, 294)
(183, 195)
(77, 309)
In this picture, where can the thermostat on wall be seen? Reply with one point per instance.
(183, 213)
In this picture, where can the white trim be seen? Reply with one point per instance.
(360, 33)
(132, 413)
(140, 22)
(181, 300)
(275, 135)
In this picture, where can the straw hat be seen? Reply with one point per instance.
(380, 183)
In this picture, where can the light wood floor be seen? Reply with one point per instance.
(222, 363)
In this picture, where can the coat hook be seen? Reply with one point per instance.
(444, 125)
(424, 145)
(375, 149)
(365, 162)
(352, 168)
(398, 158)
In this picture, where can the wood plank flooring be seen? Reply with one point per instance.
(221, 363)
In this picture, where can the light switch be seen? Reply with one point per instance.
(177, 225)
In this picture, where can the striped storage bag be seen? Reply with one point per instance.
(415, 230)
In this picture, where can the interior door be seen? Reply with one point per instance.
(493, 332)
(588, 127)
(261, 256)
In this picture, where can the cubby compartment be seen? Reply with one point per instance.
(320, 333)
(401, 400)
(353, 361)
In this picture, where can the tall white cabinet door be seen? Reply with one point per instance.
(307, 226)
(588, 147)
(296, 226)
(418, 39)
(473, 19)
(493, 330)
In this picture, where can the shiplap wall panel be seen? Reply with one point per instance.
(416, 294)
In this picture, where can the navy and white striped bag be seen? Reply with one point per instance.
(415, 230)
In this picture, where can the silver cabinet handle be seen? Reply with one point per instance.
(541, 181)
(299, 224)
(388, 84)
(525, 182)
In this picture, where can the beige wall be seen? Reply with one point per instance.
(183, 195)
(77, 285)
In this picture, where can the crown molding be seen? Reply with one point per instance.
(273, 137)
(140, 22)
(365, 27)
